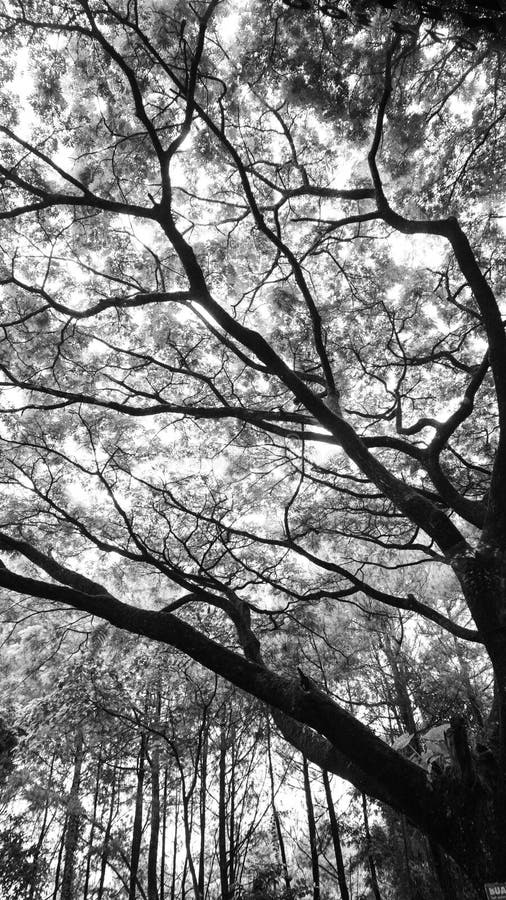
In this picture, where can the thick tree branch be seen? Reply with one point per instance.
(495, 520)
(405, 783)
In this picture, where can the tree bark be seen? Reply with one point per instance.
(59, 859)
(163, 849)
(370, 855)
(187, 826)
(155, 826)
(222, 815)
(407, 858)
(232, 855)
(404, 708)
(107, 837)
(174, 852)
(313, 845)
(73, 822)
(135, 847)
(277, 822)
(93, 825)
(336, 839)
(203, 810)
(42, 833)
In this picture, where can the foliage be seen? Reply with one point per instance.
(254, 384)
(16, 862)
(8, 742)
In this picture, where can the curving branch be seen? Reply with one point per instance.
(494, 524)
(402, 781)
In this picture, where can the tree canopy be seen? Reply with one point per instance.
(253, 356)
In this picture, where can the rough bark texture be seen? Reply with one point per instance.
(154, 832)
(313, 845)
(336, 839)
(277, 823)
(73, 822)
(222, 817)
(135, 849)
(370, 855)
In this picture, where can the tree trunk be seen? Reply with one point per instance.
(183, 879)
(407, 860)
(73, 822)
(475, 705)
(42, 832)
(482, 577)
(164, 834)
(107, 837)
(370, 857)
(93, 825)
(222, 816)
(443, 872)
(59, 859)
(174, 853)
(135, 848)
(187, 824)
(155, 826)
(402, 701)
(336, 839)
(277, 823)
(232, 837)
(400, 681)
(203, 810)
(313, 847)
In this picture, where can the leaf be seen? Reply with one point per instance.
(99, 636)
(402, 741)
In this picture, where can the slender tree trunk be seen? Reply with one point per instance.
(183, 879)
(163, 849)
(277, 822)
(336, 838)
(43, 829)
(203, 810)
(232, 836)
(60, 858)
(154, 831)
(155, 826)
(222, 816)
(400, 680)
(370, 856)
(135, 849)
(315, 866)
(107, 838)
(92, 827)
(187, 838)
(174, 851)
(73, 822)
(187, 797)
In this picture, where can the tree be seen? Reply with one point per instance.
(8, 743)
(230, 372)
(475, 15)
(17, 871)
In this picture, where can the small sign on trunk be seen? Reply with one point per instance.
(496, 891)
